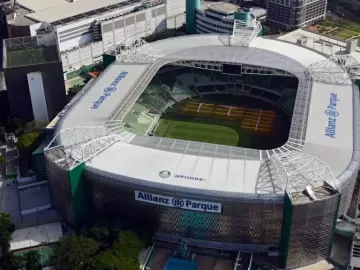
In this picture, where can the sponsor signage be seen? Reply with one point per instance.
(109, 90)
(332, 114)
(167, 174)
(176, 202)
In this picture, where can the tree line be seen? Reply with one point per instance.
(104, 245)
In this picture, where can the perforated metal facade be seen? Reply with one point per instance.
(60, 190)
(248, 219)
(311, 231)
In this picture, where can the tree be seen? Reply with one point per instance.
(73, 251)
(127, 248)
(104, 261)
(15, 125)
(72, 92)
(6, 229)
(124, 254)
(2, 132)
(34, 126)
(27, 140)
(17, 261)
(33, 261)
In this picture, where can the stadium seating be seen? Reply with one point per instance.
(179, 83)
(157, 102)
(166, 78)
(289, 99)
(138, 121)
(253, 120)
(179, 92)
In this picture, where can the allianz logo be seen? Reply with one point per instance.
(167, 174)
(178, 202)
(332, 113)
(108, 91)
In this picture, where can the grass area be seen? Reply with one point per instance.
(32, 56)
(197, 129)
(344, 24)
(211, 122)
(342, 29)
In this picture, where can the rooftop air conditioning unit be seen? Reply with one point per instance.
(302, 41)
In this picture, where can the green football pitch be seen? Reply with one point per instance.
(32, 56)
(202, 132)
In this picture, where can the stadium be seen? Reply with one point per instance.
(233, 143)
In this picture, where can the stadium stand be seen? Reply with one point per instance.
(154, 101)
(174, 84)
(138, 120)
(258, 121)
(186, 82)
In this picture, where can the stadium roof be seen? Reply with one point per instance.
(36, 5)
(69, 9)
(224, 168)
(319, 42)
(221, 7)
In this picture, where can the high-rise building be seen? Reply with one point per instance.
(294, 14)
(34, 77)
(219, 17)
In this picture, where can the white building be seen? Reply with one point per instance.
(85, 29)
(218, 17)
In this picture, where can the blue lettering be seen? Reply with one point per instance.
(140, 196)
(109, 90)
(332, 113)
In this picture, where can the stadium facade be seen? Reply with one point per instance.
(283, 201)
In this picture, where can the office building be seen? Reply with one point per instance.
(34, 77)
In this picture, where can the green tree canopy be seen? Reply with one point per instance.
(27, 141)
(2, 132)
(15, 125)
(33, 260)
(73, 251)
(17, 261)
(72, 92)
(6, 229)
(124, 254)
(35, 126)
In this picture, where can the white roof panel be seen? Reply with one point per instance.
(329, 134)
(36, 236)
(36, 5)
(186, 170)
(262, 51)
(84, 114)
(64, 11)
(220, 174)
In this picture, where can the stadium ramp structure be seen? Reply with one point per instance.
(244, 32)
(339, 70)
(75, 145)
(135, 50)
(300, 172)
